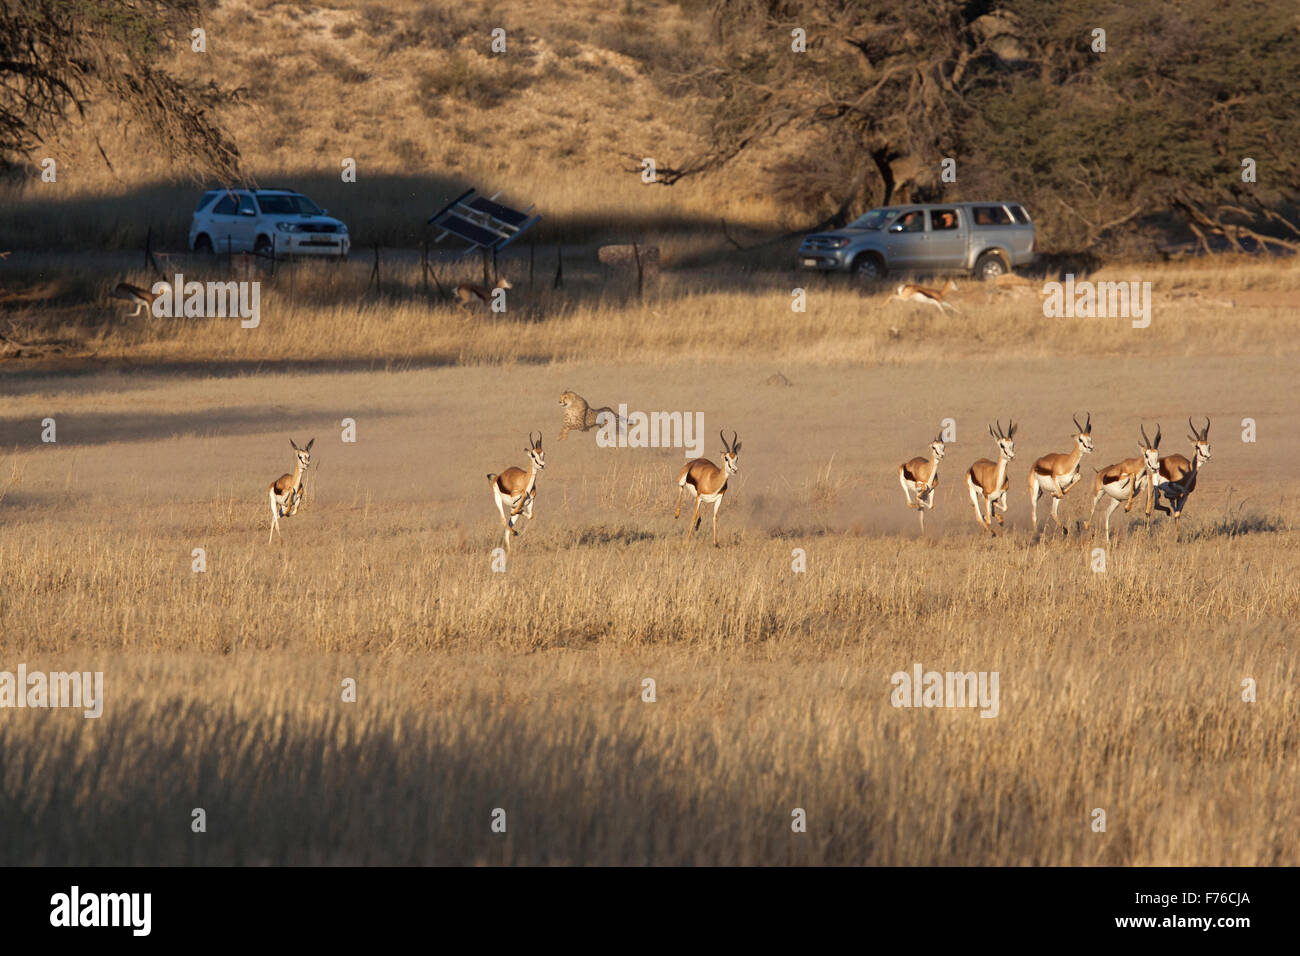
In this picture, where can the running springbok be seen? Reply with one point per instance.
(467, 292)
(919, 476)
(934, 297)
(988, 481)
(708, 483)
(286, 491)
(518, 488)
(1175, 478)
(1056, 474)
(142, 298)
(1123, 480)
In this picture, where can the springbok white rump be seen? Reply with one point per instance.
(919, 476)
(708, 483)
(518, 488)
(988, 482)
(1057, 473)
(1123, 480)
(934, 297)
(286, 491)
(142, 298)
(467, 292)
(1175, 479)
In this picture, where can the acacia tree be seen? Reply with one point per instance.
(878, 92)
(57, 57)
(1099, 143)
(1154, 129)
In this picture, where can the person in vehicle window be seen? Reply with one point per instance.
(913, 221)
(945, 220)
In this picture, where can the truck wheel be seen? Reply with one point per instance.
(203, 245)
(869, 267)
(990, 265)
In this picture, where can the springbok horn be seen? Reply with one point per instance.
(1157, 441)
(1088, 427)
(723, 438)
(1077, 426)
(734, 439)
(1146, 442)
(1205, 435)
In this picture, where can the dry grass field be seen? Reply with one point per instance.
(409, 91)
(522, 690)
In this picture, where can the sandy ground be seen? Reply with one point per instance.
(151, 446)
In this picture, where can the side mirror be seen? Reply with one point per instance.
(896, 227)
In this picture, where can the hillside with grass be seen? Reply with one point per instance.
(414, 94)
(1127, 131)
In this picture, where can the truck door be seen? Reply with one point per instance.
(224, 220)
(907, 242)
(245, 224)
(948, 232)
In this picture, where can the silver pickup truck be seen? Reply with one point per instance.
(983, 238)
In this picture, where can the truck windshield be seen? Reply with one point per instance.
(291, 205)
(876, 219)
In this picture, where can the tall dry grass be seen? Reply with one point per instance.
(331, 312)
(522, 691)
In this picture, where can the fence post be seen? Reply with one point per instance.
(559, 267)
(636, 254)
(375, 272)
(149, 260)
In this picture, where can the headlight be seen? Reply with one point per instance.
(836, 243)
(343, 228)
(288, 227)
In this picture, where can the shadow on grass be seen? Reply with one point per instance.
(385, 208)
(96, 428)
(618, 535)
